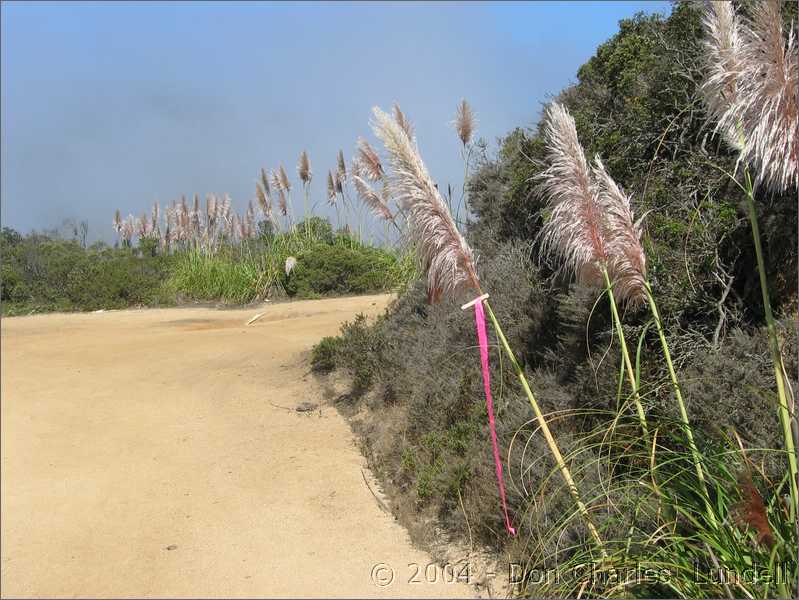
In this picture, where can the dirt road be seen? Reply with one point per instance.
(145, 453)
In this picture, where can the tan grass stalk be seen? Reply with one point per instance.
(371, 167)
(195, 219)
(304, 171)
(341, 166)
(250, 220)
(275, 180)
(265, 184)
(282, 203)
(331, 188)
(304, 168)
(210, 209)
(263, 201)
(465, 122)
(225, 208)
(285, 183)
(372, 199)
(403, 121)
(337, 184)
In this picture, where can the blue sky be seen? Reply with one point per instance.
(116, 105)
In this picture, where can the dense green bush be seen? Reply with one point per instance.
(341, 269)
(41, 274)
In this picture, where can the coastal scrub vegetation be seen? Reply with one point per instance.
(639, 250)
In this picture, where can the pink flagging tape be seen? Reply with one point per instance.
(482, 338)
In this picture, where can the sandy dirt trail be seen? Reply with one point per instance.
(141, 457)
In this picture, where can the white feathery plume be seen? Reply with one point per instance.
(770, 95)
(590, 226)
(465, 122)
(752, 89)
(210, 210)
(235, 227)
(275, 180)
(341, 166)
(337, 184)
(183, 219)
(725, 64)
(223, 209)
(446, 257)
(403, 121)
(281, 202)
(263, 202)
(369, 161)
(627, 260)
(141, 225)
(169, 218)
(265, 185)
(371, 199)
(291, 262)
(331, 188)
(128, 228)
(277, 183)
(574, 229)
(250, 211)
(304, 168)
(285, 183)
(195, 218)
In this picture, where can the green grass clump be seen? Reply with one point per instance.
(231, 279)
(325, 269)
(660, 539)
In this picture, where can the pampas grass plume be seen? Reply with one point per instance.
(465, 122)
(304, 168)
(341, 165)
(446, 257)
(285, 183)
(403, 121)
(752, 89)
(369, 161)
(371, 199)
(331, 188)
